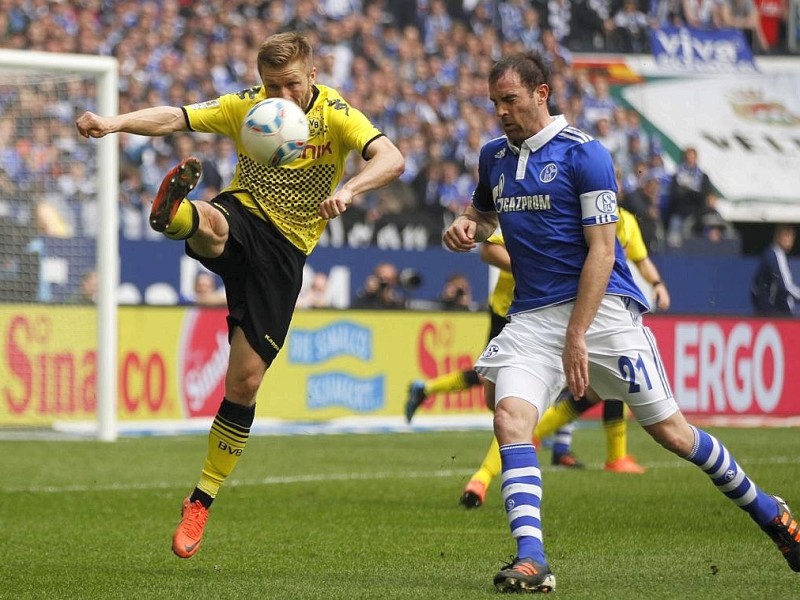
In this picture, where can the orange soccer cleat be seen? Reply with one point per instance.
(189, 534)
(626, 464)
(474, 494)
(567, 460)
(175, 187)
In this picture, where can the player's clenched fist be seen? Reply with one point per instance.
(92, 125)
(460, 236)
(335, 205)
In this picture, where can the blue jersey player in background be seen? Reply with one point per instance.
(576, 315)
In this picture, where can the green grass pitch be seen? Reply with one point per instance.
(377, 516)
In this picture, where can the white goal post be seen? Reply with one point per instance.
(105, 71)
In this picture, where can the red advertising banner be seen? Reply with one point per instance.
(730, 367)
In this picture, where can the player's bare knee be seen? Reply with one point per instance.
(243, 388)
(512, 426)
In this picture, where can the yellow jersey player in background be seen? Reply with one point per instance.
(557, 420)
(257, 233)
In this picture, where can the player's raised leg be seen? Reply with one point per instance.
(204, 225)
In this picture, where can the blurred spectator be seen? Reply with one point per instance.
(512, 19)
(87, 290)
(773, 15)
(702, 14)
(206, 292)
(50, 221)
(553, 51)
(559, 19)
(457, 293)
(630, 28)
(436, 25)
(714, 228)
(530, 33)
(315, 294)
(455, 189)
(613, 139)
(743, 15)
(597, 102)
(381, 289)
(688, 197)
(643, 202)
(665, 13)
(773, 291)
(591, 25)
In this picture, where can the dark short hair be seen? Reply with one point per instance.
(530, 66)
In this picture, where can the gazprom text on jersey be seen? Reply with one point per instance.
(520, 203)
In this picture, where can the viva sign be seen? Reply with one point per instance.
(701, 50)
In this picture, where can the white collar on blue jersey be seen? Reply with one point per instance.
(535, 142)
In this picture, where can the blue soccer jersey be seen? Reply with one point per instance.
(559, 181)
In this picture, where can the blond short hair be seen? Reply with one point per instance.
(282, 49)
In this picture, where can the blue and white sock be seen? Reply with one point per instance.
(562, 439)
(710, 455)
(522, 498)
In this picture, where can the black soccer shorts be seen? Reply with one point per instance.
(262, 272)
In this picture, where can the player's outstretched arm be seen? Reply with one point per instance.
(154, 121)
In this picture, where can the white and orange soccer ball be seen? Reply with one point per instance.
(274, 132)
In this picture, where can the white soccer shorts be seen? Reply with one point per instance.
(524, 360)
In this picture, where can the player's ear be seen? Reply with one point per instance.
(312, 76)
(542, 93)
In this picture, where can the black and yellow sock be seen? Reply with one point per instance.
(452, 382)
(491, 465)
(554, 418)
(185, 222)
(616, 429)
(226, 441)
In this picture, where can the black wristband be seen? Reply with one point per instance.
(657, 283)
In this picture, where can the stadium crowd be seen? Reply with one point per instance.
(418, 69)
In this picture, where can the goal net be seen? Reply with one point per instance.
(58, 242)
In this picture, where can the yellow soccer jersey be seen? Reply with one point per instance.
(630, 236)
(503, 292)
(289, 196)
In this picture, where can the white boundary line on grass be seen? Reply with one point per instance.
(377, 476)
(86, 430)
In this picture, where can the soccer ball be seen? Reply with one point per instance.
(274, 132)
